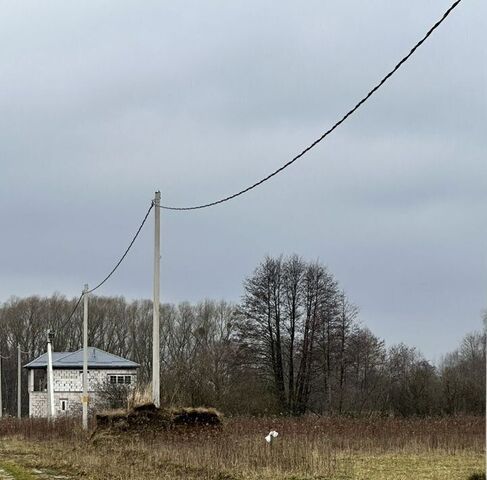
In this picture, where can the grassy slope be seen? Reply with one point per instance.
(306, 449)
(139, 462)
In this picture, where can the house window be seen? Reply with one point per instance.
(64, 404)
(120, 379)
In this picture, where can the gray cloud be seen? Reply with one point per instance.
(104, 103)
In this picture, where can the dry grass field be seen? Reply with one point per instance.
(307, 448)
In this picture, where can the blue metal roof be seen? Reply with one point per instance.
(96, 359)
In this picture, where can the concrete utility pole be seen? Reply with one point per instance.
(19, 382)
(51, 411)
(85, 358)
(156, 391)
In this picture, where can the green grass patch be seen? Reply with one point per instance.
(16, 471)
(430, 466)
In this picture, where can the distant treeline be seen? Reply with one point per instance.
(293, 345)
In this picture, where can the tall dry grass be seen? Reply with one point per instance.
(41, 429)
(140, 395)
(307, 447)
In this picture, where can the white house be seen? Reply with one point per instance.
(68, 378)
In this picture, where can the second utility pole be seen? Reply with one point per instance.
(84, 398)
(19, 382)
(51, 410)
(156, 367)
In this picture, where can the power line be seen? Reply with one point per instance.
(330, 130)
(125, 253)
(72, 312)
(113, 269)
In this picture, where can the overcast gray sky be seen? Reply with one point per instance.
(104, 102)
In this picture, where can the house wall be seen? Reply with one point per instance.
(38, 404)
(72, 380)
(68, 385)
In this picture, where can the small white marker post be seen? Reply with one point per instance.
(271, 436)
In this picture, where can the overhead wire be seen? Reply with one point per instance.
(72, 312)
(331, 129)
(280, 169)
(125, 253)
(122, 258)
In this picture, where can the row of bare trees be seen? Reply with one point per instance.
(294, 344)
(302, 336)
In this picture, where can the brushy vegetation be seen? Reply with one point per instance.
(146, 418)
(477, 476)
(307, 448)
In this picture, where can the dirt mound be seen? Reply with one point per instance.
(207, 417)
(148, 418)
(143, 417)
